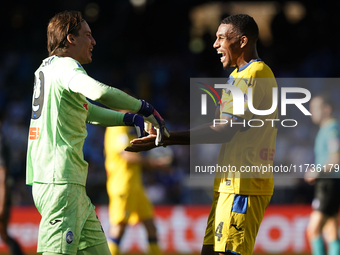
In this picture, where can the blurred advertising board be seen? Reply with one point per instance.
(181, 229)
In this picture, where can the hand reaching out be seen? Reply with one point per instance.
(142, 144)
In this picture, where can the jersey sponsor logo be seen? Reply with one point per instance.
(69, 237)
(53, 222)
(34, 133)
(86, 106)
(235, 226)
(267, 154)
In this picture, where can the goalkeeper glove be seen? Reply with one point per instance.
(153, 117)
(132, 119)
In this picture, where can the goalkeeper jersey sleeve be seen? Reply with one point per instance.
(99, 92)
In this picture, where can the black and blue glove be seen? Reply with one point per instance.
(132, 119)
(152, 116)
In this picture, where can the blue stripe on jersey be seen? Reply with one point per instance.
(244, 67)
(240, 204)
(233, 252)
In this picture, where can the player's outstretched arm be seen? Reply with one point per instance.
(119, 100)
(148, 142)
(204, 134)
(105, 117)
(211, 133)
(144, 144)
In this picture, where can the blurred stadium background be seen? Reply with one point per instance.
(152, 48)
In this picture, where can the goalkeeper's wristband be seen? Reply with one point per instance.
(146, 109)
(132, 119)
(153, 117)
(128, 119)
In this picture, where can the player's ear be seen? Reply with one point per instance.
(243, 41)
(70, 38)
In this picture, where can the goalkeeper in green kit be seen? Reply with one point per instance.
(60, 110)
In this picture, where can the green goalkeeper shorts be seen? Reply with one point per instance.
(69, 222)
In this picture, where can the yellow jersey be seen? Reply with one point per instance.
(251, 146)
(122, 177)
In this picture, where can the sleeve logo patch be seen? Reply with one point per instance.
(69, 237)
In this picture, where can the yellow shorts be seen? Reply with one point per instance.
(234, 221)
(130, 208)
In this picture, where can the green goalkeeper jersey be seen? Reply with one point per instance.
(58, 125)
(60, 111)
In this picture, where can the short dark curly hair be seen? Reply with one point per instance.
(243, 25)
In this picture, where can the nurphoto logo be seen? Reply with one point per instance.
(239, 99)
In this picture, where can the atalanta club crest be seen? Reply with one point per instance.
(69, 237)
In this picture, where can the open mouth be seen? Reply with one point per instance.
(223, 55)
